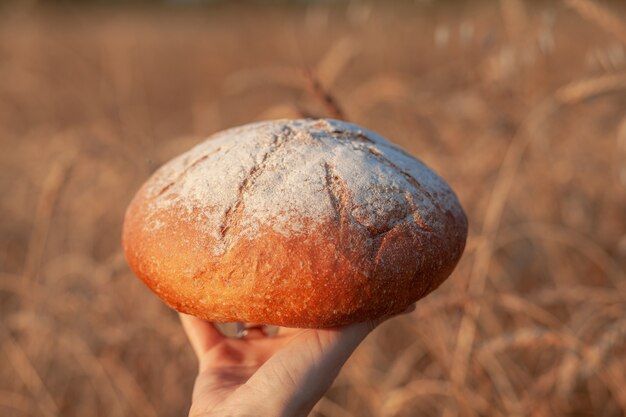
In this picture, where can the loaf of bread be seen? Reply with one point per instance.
(297, 223)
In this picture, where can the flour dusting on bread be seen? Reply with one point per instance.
(293, 174)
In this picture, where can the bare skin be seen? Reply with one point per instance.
(281, 376)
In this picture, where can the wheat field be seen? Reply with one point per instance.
(520, 107)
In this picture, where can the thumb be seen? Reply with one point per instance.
(298, 375)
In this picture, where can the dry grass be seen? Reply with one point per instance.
(522, 109)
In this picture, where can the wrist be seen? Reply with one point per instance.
(243, 411)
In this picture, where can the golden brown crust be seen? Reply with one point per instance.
(316, 280)
(333, 273)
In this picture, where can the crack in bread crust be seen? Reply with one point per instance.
(361, 136)
(410, 179)
(358, 136)
(339, 198)
(233, 213)
(186, 170)
(415, 213)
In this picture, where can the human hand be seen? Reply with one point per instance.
(280, 376)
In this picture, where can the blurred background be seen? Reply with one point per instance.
(520, 106)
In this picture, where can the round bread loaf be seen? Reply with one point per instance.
(297, 223)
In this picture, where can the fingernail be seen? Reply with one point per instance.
(410, 309)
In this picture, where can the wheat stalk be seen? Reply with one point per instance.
(27, 372)
(317, 91)
(602, 17)
(43, 214)
(591, 87)
(533, 337)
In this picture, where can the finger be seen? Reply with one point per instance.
(201, 334)
(300, 373)
(305, 368)
(409, 309)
